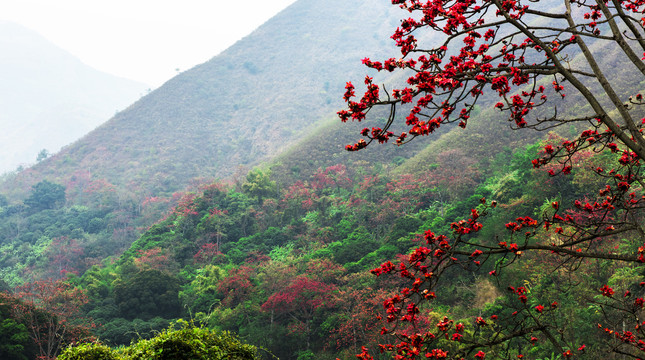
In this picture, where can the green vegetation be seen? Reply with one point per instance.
(287, 269)
(45, 195)
(187, 342)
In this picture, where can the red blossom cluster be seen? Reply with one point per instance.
(185, 205)
(510, 49)
(444, 82)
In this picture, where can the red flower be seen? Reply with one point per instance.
(554, 304)
(567, 354)
(624, 186)
(606, 291)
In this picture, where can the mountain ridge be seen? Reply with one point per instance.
(50, 98)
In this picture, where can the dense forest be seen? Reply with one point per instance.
(287, 269)
(487, 239)
(287, 266)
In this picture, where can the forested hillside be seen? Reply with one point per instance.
(509, 228)
(286, 266)
(247, 105)
(213, 121)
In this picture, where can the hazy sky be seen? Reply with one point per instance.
(143, 40)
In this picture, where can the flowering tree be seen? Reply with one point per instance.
(49, 309)
(299, 301)
(237, 286)
(64, 256)
(151, 259)
(532, 57)
(359, 314)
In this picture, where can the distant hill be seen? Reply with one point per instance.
(240, 108)
(49, 98)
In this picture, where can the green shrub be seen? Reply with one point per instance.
(191, 342)
(93, 351)
(187, 342)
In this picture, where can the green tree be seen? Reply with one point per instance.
(42, 155)
(358, 244)
(147, 294)
(202, 294)
(45, 195)
(258, 184)
(14, 340)
(15, 343)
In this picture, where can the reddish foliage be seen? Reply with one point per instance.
(300, 299)
(65, 256)
(152, 259)
(237, 286)
(300, 194)
(50, 309)
(361, 314)
(332, 176)
(207, 253)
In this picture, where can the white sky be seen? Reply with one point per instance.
(143, 40)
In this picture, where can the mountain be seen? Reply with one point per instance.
(49, 98)
(240, 108)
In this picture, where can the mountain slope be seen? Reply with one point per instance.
(48, 98)
(241, 107)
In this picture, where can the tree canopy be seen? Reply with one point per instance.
(45, 195)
